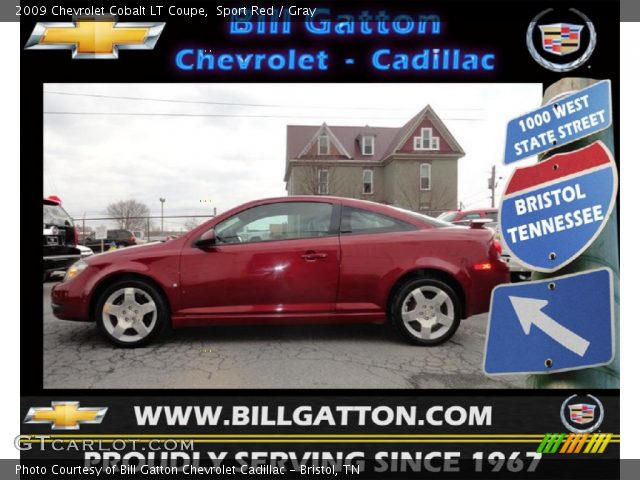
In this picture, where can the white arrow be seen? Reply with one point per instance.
(529, 312)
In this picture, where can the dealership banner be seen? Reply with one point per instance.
(357, 239)
(375, 436)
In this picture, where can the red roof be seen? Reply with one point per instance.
(388, 140)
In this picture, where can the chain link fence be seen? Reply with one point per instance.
(152, 228)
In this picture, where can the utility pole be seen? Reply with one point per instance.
(603, 252)
(492, 186)
(162, 200)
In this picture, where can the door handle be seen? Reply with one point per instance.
(313, 256)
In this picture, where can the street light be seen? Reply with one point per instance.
(162, 200)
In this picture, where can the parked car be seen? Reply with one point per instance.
(464, 217)
(519, 273)
(140, 237)
(119, 237)
(59, 238)
(326, 260)
(84, 251)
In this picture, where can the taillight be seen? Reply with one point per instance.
(483, 266)
(132, 239)
(76, 238)
(498, 246)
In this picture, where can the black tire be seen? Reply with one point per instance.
(145, 296)
(450, 309)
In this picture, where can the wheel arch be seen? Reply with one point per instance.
(428, 273)
(111, 279)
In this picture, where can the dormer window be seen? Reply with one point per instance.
(323, 145)
(426, 140)
(367, 145)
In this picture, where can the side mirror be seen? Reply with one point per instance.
(205, 243)
(208, 240)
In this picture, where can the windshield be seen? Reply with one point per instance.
(436, 222)
(447, 216)
(55, 215)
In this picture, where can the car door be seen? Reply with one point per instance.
(290, 269)
(373, 247)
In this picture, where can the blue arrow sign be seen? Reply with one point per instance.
(562, 121)
(551, 325)
(552, 211)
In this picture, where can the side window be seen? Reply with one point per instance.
(355, 220)
(277, 221)
(470, 216)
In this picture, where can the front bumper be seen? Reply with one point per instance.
(69, 303)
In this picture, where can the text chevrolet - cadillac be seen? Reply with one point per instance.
(292, 260)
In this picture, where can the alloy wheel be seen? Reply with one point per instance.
(428, 312)
(129, 314)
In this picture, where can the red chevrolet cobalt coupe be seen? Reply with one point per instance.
(291, 260)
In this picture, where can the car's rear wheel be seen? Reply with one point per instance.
(131, 313)
(426, 311)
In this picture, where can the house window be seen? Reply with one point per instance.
(323, 182)
(426, 140)
(367, 182)
(323, 145)
(367, 145)
(425, 176)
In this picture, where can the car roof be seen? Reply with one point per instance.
(381, 208)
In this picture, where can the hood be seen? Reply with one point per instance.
(127, 253)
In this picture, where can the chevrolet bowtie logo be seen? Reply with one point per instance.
(94, 38)
(65, 415)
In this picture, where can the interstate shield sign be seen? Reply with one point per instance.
(552, 211)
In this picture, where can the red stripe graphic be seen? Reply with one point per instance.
(568, 164)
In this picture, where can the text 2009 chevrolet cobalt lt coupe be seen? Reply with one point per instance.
(291, 260)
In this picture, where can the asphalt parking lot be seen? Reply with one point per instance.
(342, 356)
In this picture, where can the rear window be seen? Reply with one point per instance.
(356, 220)
(55, 215)
(492, 215)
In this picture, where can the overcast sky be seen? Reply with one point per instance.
(91, 160)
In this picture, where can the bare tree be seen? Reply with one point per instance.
(441, 197)
(191, 223)
(129, 214)
(309, 181)
(307, 178)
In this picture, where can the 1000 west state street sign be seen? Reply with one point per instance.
(551, 325)
(552, 211)
(561, 122)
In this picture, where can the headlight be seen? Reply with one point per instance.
(75, 270)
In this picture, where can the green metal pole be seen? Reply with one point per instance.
(603, 252)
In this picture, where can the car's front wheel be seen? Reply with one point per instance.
(130, 313)
(426, 311)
